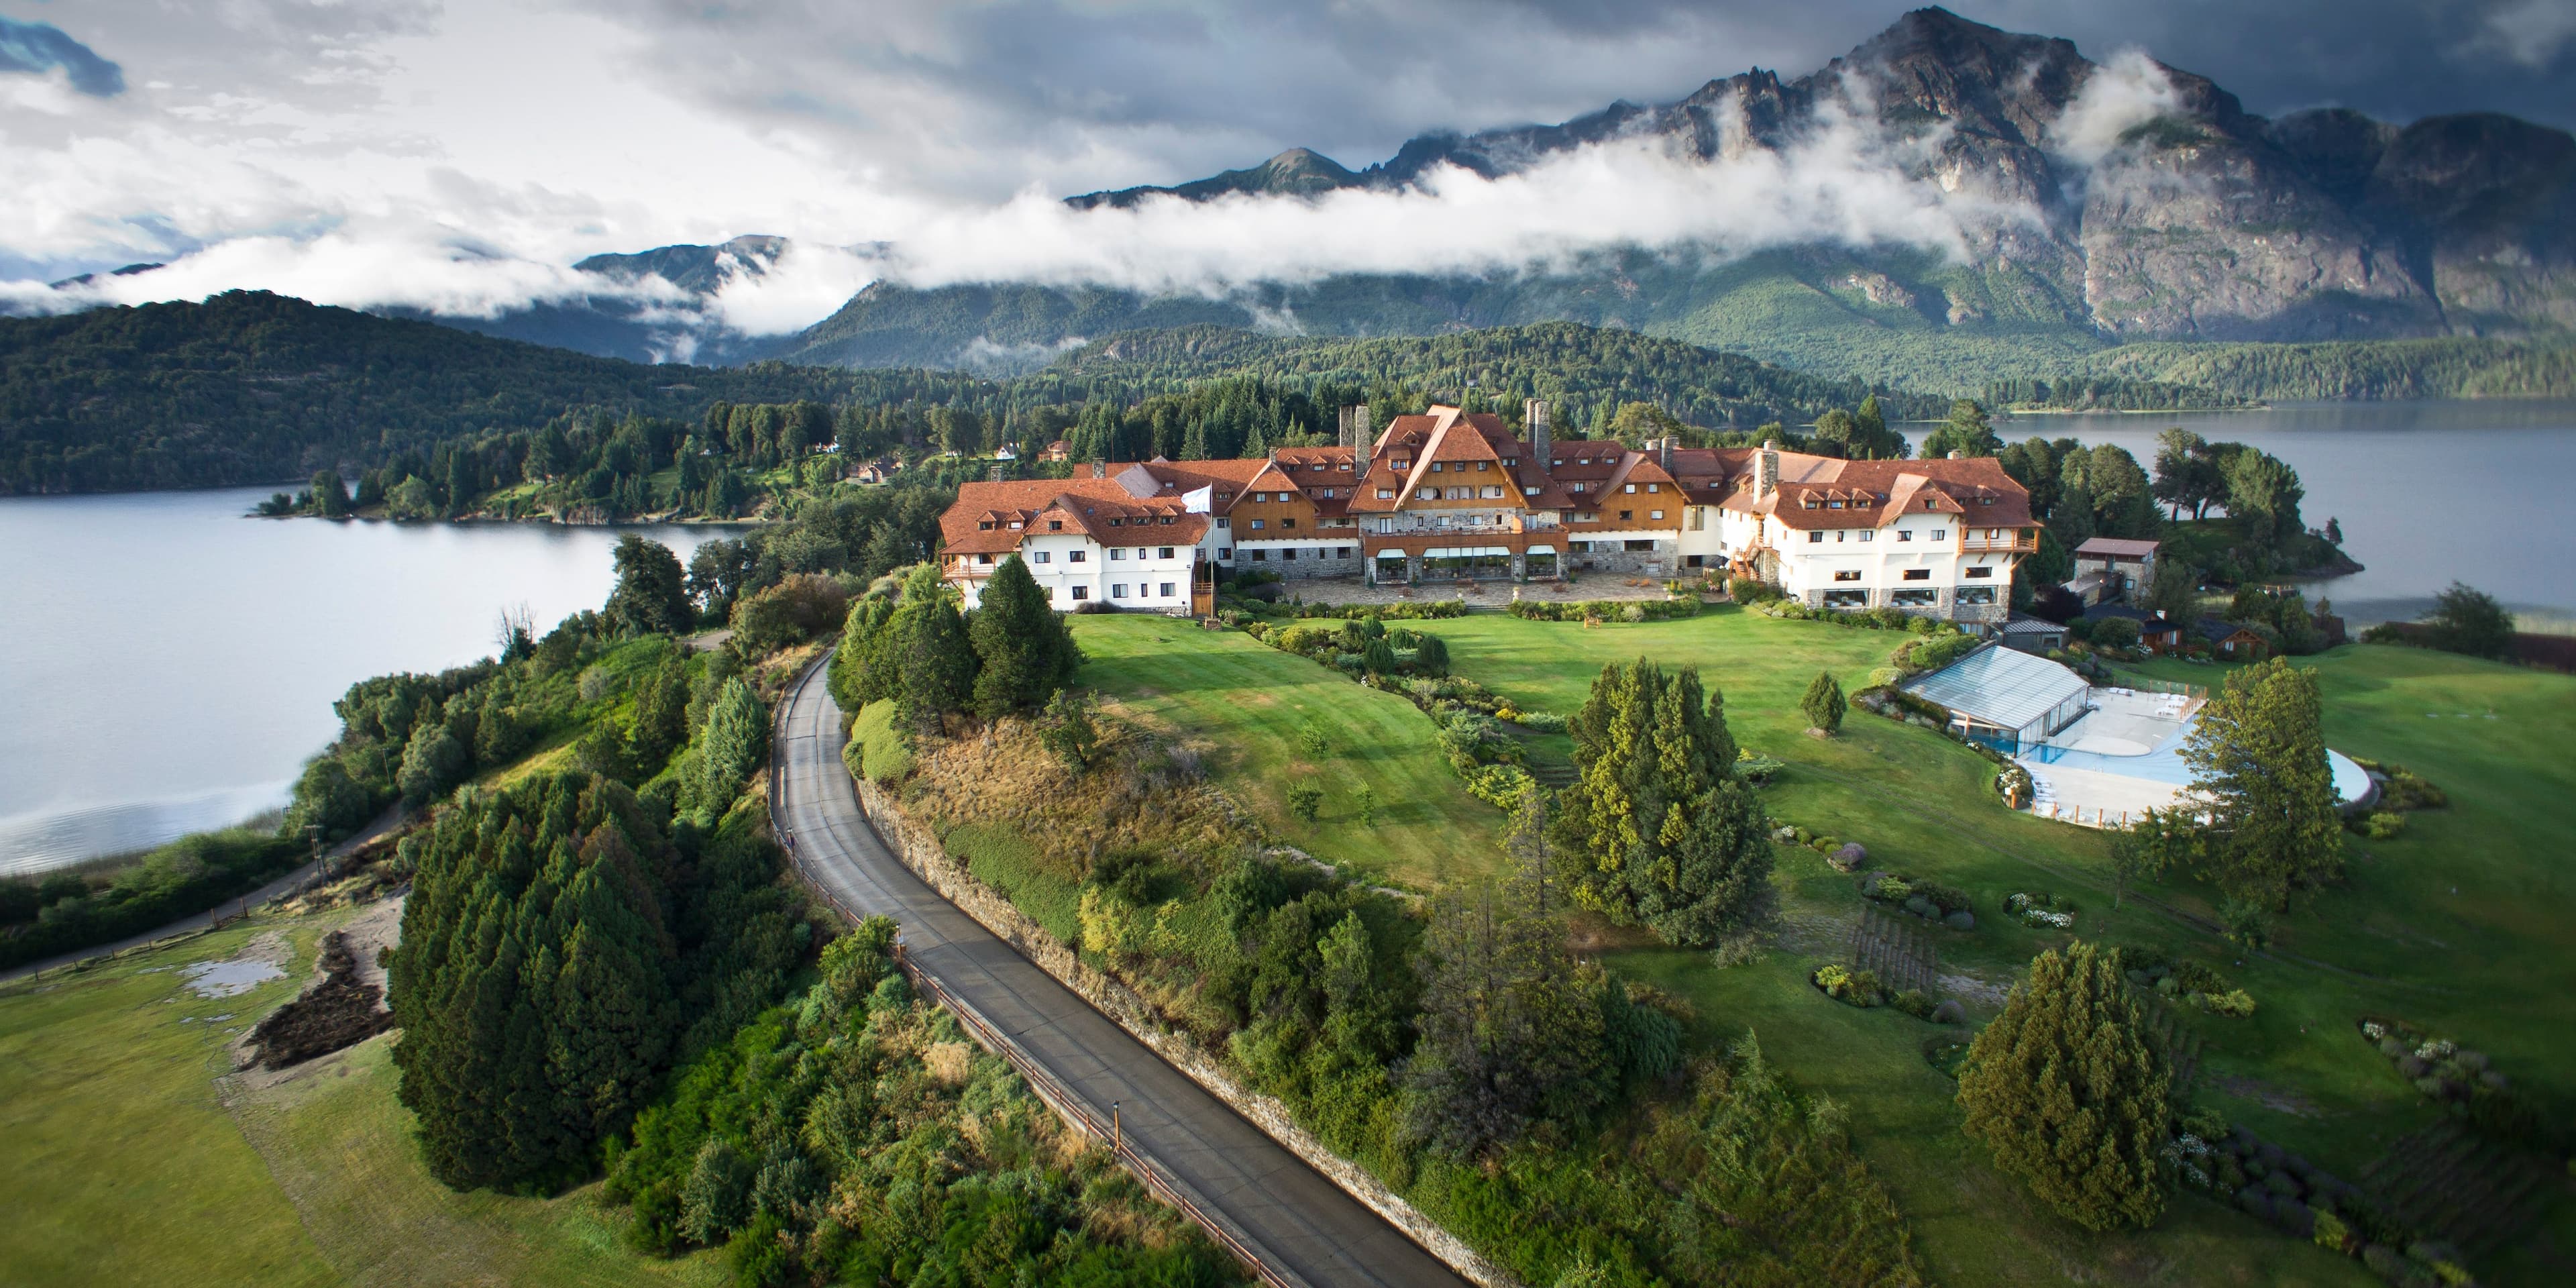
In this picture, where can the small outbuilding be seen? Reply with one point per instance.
(2123, 562)
(2233, 642)
(2034, 635)
(2155, 634)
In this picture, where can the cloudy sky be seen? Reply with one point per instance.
(459, 155)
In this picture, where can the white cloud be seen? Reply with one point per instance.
(2128, 90)
(2530, 32)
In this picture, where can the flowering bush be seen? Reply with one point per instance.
(1858, 988)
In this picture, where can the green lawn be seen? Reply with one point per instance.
(2458, 926)
(1245, 703)
(127, 1161)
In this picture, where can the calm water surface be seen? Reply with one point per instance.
(167, 664)
(2427, 492)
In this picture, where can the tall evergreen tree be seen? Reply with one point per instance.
(2258, 759)
(1656, 827)
(1511, 1028)
(2070, 1091)
(330, 494)
(1024, 652)
(929, 654)
(856, 678)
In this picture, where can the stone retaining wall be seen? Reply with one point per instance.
(920, 850)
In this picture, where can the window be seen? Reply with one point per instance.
(1256, 525)
(1981, 572)
(1289, 522)
(1117, 523)
(1699, 518)
(1940, 534)
(1082, 592)
(1631, 487)
(1914, 598)
(1260, 556)
(1225, 554)
(1588, 516)
(1493, 493)
(1625, 515)
(1117, 552)
(1833, 505)
(1428, 494)
(1288, 555)
(1166, 521)
(1041, 556)
(1055, 525)
(1480, 466)
(1905, 534)
(1341, 552)
(1847, 574)
(1015, 525)
(1573, 487)
(1847, 599)
(1346, 465)
(1869, 534)
(983, 559)
(1077, 556)
(1435, 467)
(1164, 553)
(984, 525)
(1654, 487)
(1117, 590)
(1976, 595)
(1815, 537)
(1529, 491)
(1167, 586)
(1386, 494)
(1654, 514)
(1918, 574)
(1840, 535)
(1641, 547)
(1224, 523)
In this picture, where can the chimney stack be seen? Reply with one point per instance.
(1957, 455)
(1534, 428)
(996, 474)
(1766, 469)
(1664, 452)
(1099, 468)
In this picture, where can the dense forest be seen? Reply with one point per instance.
(250, 387)
(2455, 367)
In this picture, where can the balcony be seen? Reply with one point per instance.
(2011, 542)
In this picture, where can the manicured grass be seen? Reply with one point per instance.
(2457, 926)
(121, 1166)
(1245, 703)
(124, 1166)
(340, 1146)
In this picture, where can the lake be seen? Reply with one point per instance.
(168, 664)
(2427, 491)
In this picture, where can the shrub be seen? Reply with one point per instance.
(2236, 1002)
(1949, 1012)
(1752, 590)
(2383, 826)
(1960, 920)
(1858, 988)
(1849, 856)
(1305, 800)
(1913, 1002)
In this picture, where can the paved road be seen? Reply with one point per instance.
(1298, 1221)
(384, 822)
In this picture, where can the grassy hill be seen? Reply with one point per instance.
(2453, 926)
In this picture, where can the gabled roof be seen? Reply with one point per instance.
(980, 520)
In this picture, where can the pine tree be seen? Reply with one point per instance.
(1025, 653)
(1656, 827)
(1824, 703)
(734, 743)
(1432, 658)
(2069, 1091)
(929, 653)
(856, 678)
(2258, 759)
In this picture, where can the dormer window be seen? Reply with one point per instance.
(1015, 525)
(1055, 525)
(984, 526)
(1809, 503)
(1985, 500)
(1833, 505)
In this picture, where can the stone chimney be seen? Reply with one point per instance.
(1957, 455)
(1766, 469)
(1099, 468)
(1664, 452)
(1534, 429)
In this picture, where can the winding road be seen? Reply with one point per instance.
(1300, 1225)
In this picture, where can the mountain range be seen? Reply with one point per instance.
(2193, 220)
